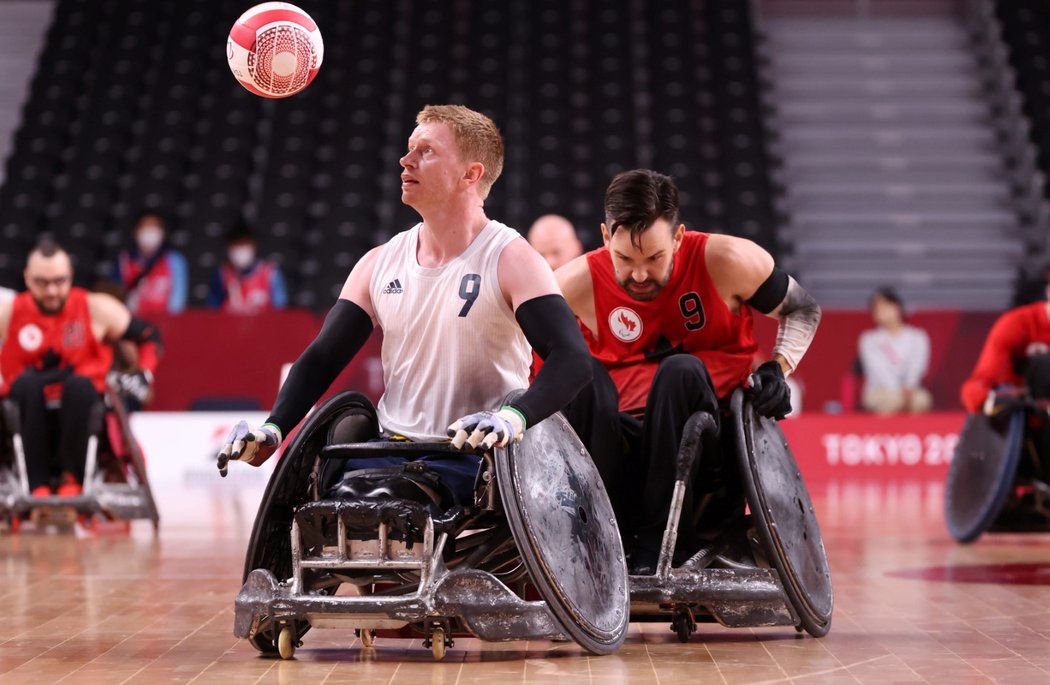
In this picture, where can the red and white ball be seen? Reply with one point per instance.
(275, 49)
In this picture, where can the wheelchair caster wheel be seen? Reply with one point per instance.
(367, 637)
(437, 644)
(683, 625)
(286, 643)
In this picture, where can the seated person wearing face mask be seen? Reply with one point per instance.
(152, 275)
(244, 283)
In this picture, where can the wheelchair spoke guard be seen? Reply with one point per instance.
(563, 522)
(981, 475)
(783, 514)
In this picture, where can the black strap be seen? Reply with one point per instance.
(771, 293)
(141, 331)
(150, 264)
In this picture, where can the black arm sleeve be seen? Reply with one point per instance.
(345, 330)
(551, 329)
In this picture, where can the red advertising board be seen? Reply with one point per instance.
(210, 353)
(873, 448)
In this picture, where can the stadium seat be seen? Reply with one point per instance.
(578, 99)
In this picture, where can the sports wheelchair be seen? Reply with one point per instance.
(116, 487)
(997, 480)
(764, 566)
(535, 555)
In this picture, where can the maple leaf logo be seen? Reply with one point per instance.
(625, 324)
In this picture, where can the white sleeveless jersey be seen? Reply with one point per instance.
(451, 345)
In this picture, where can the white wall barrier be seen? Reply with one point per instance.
(180, 449)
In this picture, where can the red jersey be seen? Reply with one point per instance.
(250, 293)
(1016, 335)
(31, 334)
(687, 315)
(152, 293)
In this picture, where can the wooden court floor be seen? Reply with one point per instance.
(911, 607)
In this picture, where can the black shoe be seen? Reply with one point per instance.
(738, 551)
(703, 557)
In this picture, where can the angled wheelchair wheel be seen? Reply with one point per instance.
(982, 473)
(136, 463)
(289, 487)
(10, 486)
(564, 527)
(783, 515)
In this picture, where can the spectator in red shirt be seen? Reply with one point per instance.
(153, 275)
(246, 283)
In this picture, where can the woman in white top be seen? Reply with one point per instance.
(894, 358)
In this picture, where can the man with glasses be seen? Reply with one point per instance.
(53, 365)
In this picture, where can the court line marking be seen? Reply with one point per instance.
(770, 654)
(652, 666)
(80, 632)
(826, 671)
(176, 646)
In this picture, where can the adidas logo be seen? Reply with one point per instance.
(393, 287)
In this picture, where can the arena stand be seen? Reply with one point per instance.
(133, 105)
(1026, 31)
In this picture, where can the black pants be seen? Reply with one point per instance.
(55, 440)
(637, 458)
(457, 471)
(1037, 375)
(1037, 378)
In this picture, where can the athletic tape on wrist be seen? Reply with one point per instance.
(276, 429)
(518, 414)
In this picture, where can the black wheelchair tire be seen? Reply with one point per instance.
(270, 545)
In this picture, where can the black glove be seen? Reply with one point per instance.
(136, 385)
(50, 360)
(52, 368)
(770, 394)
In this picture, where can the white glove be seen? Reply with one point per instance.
(136, 384)
(1004, 399)
(488, 429)
(248, 443)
